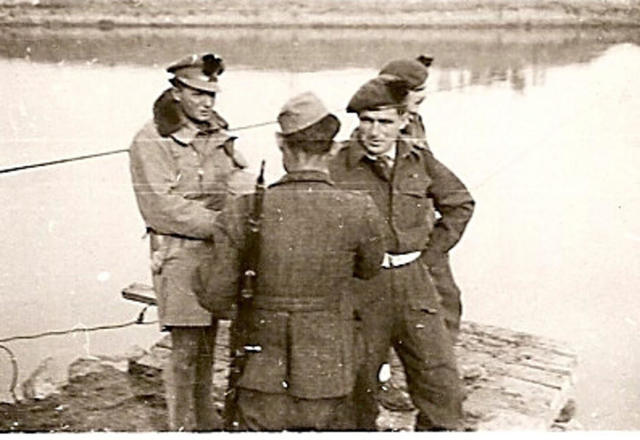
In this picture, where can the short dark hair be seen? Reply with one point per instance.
(316, 138)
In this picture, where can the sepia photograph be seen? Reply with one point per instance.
(320, 215)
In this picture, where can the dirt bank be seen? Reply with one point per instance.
(125, 393)
(321, 13)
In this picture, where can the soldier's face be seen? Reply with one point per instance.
(379, 129)
(196, 104)
(415, 98)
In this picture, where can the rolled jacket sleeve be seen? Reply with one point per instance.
(153, 174)
(454, 203)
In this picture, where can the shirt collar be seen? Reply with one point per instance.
(188, 131)
(304, 176)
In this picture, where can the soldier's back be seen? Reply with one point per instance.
(311, 233)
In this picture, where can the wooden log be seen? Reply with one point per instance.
(139, 292)
(513, 380)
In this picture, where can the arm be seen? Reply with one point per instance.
(153, 173)
(221, 281)
(370, 251)
(453, 202)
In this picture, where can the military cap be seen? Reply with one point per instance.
(415, 71)
(199, 71)
(378, 93)
(300, 112)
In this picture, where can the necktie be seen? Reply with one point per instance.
(382, 166)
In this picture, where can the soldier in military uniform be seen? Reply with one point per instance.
(415, 72)
(400, 307)
(183, 168)
(314, 239)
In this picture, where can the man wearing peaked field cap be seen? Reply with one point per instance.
(314, 240)
(400, 306)
(184, 167)
(199, 71)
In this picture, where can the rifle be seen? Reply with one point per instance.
(240, 328)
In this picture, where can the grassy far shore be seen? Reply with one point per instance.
(320, 13)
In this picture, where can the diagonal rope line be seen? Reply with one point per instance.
(14, 362)
(138, 321)
(59, 161)
(125, 150)
(520, 155)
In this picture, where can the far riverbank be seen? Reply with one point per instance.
(320, 14)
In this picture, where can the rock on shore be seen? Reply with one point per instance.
(513, 381)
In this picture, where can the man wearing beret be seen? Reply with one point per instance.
(314, 239)
(400, 307)
(415, 72)
(183, 168)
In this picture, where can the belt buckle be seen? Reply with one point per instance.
(388, 261)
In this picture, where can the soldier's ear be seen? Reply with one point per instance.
(404, 118)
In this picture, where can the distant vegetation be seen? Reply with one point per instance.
(320, 13)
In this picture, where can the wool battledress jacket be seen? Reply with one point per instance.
(314, 239)
(182, 176)
(419, 184)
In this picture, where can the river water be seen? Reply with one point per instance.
(541, 126)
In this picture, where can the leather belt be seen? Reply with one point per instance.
(396, 260)
(182, 237)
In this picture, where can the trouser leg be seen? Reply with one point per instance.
(257, 411)
(207, 417)
(191, 387)
(449, 292)
(377, 322)
(424, 347)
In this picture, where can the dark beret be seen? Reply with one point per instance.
(414, 72)
(379, 93)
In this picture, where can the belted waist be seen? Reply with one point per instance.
(182, 237)
(396, 260)
(295, 304)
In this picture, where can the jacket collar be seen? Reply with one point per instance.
(407, 148)
(304, 176)
(170, 121)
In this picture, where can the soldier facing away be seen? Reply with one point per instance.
(183, 168)
(400, 307)
(314, 239)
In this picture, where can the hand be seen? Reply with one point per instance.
(432, 257)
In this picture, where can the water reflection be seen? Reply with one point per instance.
(490, 55)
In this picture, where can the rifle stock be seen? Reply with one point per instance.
(240, 328)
